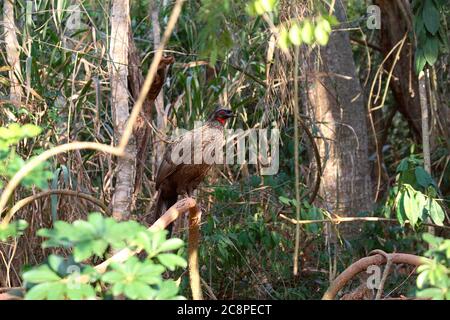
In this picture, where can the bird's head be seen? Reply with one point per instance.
(221, 115)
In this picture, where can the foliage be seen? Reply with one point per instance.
(13, 229)
(434, 280)
(11, 162)
(247, 250)
(430, 32)
(415, 194)
(69, 278)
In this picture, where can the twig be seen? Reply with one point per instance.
(23, 202)
(296, 165)
(353, 219)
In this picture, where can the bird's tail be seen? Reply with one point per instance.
(162, 205)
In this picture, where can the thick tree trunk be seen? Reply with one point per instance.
(12, 52)
(337, 106)
(126, 167)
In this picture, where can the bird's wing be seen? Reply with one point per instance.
(165, 169)
(167, 166)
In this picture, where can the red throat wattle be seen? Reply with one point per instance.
(221, 120)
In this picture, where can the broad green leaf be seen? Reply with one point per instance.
(422, 279)
(113, 277)
(39, 292)
(118, 288)
(307, 32)
(434, 293)
(431, 239)
(284, 200)
(321, 32)
(138, 290)
(436, 212)
(431, 17)
(423, 178)
(41, 274)
(268, 5)
(82, 251)
(171, 244)
(419, 61)
(56, 291)
(167, 290)
(81, 292)
(283, 40)
(431, 50)
(171, 261)
(295, 35)
(31, 130)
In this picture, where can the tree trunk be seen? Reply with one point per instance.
(12, 52)
(342, 125)
(126, 167)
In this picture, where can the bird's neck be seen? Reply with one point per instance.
(217, 123)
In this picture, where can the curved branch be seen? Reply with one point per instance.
(23, 202)
(36, 161)
(363, 264)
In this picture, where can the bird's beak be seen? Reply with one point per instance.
(231, 115)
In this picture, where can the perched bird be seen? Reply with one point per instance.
(180, 173)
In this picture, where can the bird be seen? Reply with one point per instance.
(180, 174)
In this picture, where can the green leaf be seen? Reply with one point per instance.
(295, 35)
(423, 178)
(409, 204)
(171, 244)
(171, 261)
(433, 240)
(284, 200)
(307, 32)
(419, 61)
(30, 130)
(56, 291)
(283, 40)
(39, 292)
(41, 274)
(55, 262)
(431, 17)
(81, 292)
(434, 293)
(82, 251)
(113, 277)
(436, 212)
(422, 279)
(168, 290)
(322, 32)
(138, 290)
(431, 50)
